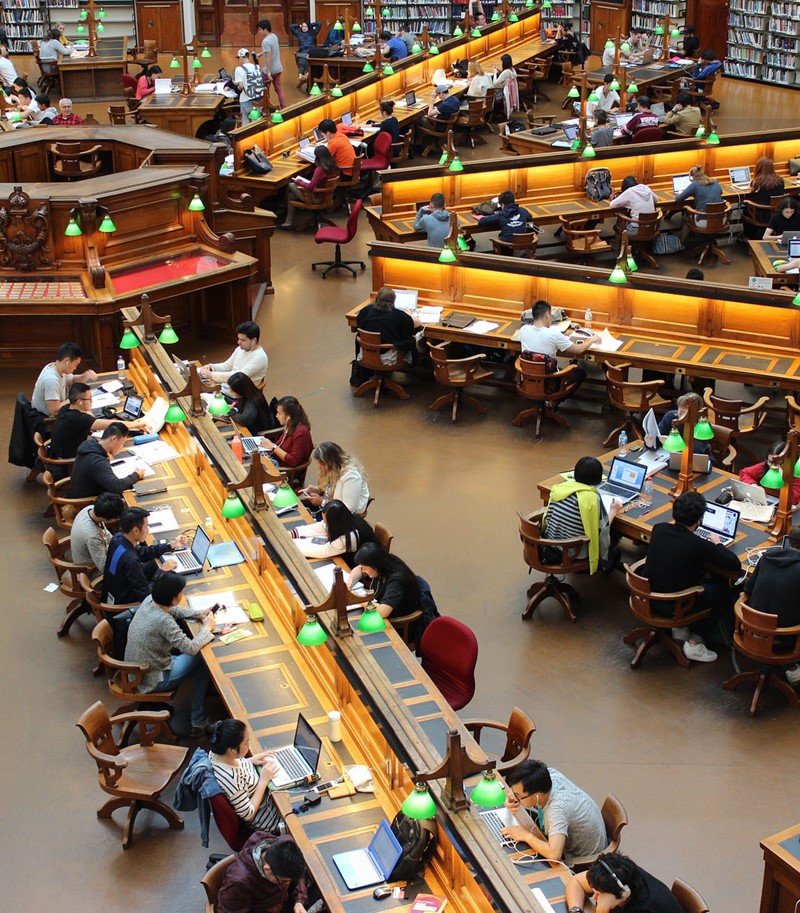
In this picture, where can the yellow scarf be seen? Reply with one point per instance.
(590, 515)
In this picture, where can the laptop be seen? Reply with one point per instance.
(658, 109)
(740, 177)
(163, 86)
(370, 865)
(297, 762)
(621, 119)
(570, 132)
(496, 819)
(411, 99)
(182, 366)
(319, 136)
(755, 494)
(132, 408)
(788, 236)
(794, 249)
(405, 299)
(701, 462)
(251, 445)
(719, 521)
(306, 150)
(191, 560)
(625, 480)
(680, 182)
(347, 120)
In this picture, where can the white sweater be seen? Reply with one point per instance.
(254, 364)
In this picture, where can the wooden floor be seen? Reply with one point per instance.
(701, 781)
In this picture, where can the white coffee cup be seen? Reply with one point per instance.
(335, 726)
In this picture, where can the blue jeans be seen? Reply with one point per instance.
(184, 666)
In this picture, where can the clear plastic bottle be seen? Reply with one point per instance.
(647, 493)
(623, 443)
(121, 369)
(208, 526)
(587, 318)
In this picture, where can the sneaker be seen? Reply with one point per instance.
(680, 633)
(699, 653)
(793, 675)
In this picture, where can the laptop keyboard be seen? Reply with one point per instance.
(707, 534)
(362, 869)
(496, 824)
(290, 764)
(617, 490)
(185, 559)
(250, 444)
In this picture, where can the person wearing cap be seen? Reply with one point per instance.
(249, 81)
(442, 107)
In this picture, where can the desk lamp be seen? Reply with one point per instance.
(257, 476)
(147, 319)
(782, 524)
(371, 621)
(336, 601)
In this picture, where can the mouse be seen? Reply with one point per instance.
(382, 892)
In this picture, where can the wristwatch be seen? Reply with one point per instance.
(576, 910)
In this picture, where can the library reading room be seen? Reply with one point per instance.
(505, 292)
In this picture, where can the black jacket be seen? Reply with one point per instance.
(677, 559)
(511, 220)
(27, 420)
(774, 586)
(129, 570)
(92, 473)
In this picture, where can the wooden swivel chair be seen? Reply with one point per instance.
(757, 636)
(436, 134)
(583, 242)
(539, 72)
(456, 374)
(688, 899)
(384, 536)
(58, 468)
(351, 183)
(518, 732)
(121, 115)
(99, 609)
(135, 776)
(318, 201)
(70, 160)
(212, 882)
(333, 234)
(521, 245)
(743, 421)
(128, 86)
(67, 573)
(449, 654)
(402, 152)
(648, 228)
(50, 79)
(614, 819)
(472, 120)
(710, 225)
(371, 350)
(631, 398)
(722, 450)
(533, 542)
(64, 508)
(680, 612)
(534, 383)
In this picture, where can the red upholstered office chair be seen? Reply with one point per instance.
(449, 651)
(128, 85)
(380, 159)
(234, 831)
(332, 234)
(648, 135)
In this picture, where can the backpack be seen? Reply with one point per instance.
(418, 842)
(667, 243)
(550, 363)
(515, 126)
(461, 69)
(253, 81)
(598, 184)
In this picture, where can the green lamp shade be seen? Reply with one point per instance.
(797, 469)
(416, 47)
(588, 151)
(443, 158)
(609, 44)
(475, 33)
(100, 27)
(284, 497)
(196, 65)
(232, 507)
(434, 49)
(336, 92)
(703, 430)
(80, 28)
(253, 115)
(496, 17)
(625, 47)
(675, 33)
(576, 144)
(369, 12)
(772, 478)
(513, 18)
(368, 68)
(168, 336)
(462, 243)
(529, 4)
(614, 85)
(371, 620)
(632, 267)
(205, 52)
(659, 30)
(101, 13)
(593, 96)
(312, 634)
(633, 88)
(15, 116)
(574, 92)
(674, 442)
(356, 27)
(796, 300)
(218, 405)
(388, 70)
(547, 5)
(713, 138)
(174, 415)
(107, 226)
(73, 229)
(447, 256)
(130, 341)
(196, 204)
(277, 117)
(338, 25)
(489, 792)
(419, 804)
(700, 131)
(83, 15)
(618, 275)
(456, 164)
(174, 64)
(315, 90)
(385, 12)
(458, 32)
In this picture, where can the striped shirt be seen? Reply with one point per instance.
(239, 782)
(563, 521)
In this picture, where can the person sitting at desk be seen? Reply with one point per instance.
(12, 92)
(294, 446)
(637, 46)
(766, 185)
(339, 532)
(306, 35)
(678, 414)
(479, 82)
(7, 72)
(394, 48)
(691, 43)
(156, 639)
(511, 218)
(703, 190)
(249, 407)
(92, 472)
(608, 98)
(55, 378)
(245, 781)
(390, 581)
(390, 124)
(248, 357)
(66, 117)
(575, 509)
(250, 82)
(609, 53)
(568, 44)
(541, 338)
(334, 39)
(405, 34)
(268, 875)
(684, 117)
(89, 537)
(561, 820)
(434, 220)
(341, 477)
(396, 327)
(643, 119)
(51, 50)
(754, 474)
(677, 559)
(442, 107)
(325, 169)
(339, 147)
(786, 218)
(40, 111)
(637, 198)
(615, 882)
(603, 131)
(707, 66)
(146, 84)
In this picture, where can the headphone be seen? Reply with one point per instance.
(626, 891)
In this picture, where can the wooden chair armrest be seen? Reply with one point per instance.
(111, 766)
(116, 609)
(73, 568)
(475, 727)
(730, 457)
(469, 360)
(678, 594)
(151, 722)
(756, 407)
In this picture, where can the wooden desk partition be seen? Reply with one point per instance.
(95, 78)
(393, 718)
(711, 330)
(781, 888)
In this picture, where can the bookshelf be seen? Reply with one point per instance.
(747, 38)
(782, 57)
(119, 20)
(649, 15)
(25, 22)
(439, 18)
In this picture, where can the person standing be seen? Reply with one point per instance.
(249, 81)
(271, 64)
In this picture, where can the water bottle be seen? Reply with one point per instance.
(647, 493)
(623, 443)
(587, 318)
(208, 526)
(121, 369)
(237, 448)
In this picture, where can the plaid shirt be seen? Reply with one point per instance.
(72, 120)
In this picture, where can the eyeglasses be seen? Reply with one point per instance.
(520, 798)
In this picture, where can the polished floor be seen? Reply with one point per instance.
(701, 781)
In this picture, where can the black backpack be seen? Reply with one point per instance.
(598, 184)
(418, 841)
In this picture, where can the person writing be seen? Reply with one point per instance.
(786, 218)
(92, 472)
(147, 82)
(339, 532)
(387, 578)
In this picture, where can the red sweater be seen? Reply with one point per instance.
(297, 444)
(753, 475)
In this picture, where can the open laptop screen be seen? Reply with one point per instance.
(794, 248)
(739, 175)
(347, 119)
(680, 182)
(307, 742)
(720, 520)
(411, 98)
(624, 472)
(405, 299)
(622, 119)
(570, 131)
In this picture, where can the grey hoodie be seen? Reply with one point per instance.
(435, 224)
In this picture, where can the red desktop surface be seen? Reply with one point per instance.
(159, 273)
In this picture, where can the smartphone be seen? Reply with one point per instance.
(324, 787)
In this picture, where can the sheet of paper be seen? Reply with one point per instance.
(111, 386)
(755, 513)
(122, 468)
(154, 452)
(163, 520)
(608, 342)
(481, 326)
(650, 427)
(430, 314)
(325, 574)
(206, 600)
(231, 613)
(99, 400)
(655, 460)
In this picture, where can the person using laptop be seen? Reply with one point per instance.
(157, 640)
(434, 220)
(683, 117)
(511, 218)
(249, 407)
(89, 537)
(603, 131)
(576, 509)
(146, 84)
(55, 379)
(248, 357)
(677, 415)
(564, 821)
(299, 188)
(702, 190)
(339, 146)
(92, 472)
(395, 326)
(608, 98)
(294, 445)
(754, 474)
(766, 185)
(615, 882)
(677, 560)
(243, 779)
(786, 218)
(268, 875)
(643, 119)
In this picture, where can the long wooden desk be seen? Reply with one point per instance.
(643, 76)
(393, 718)
(178, 113)
(553, 184)
(94, 78)
(343, 69)
(720, 331)
(765, 254)
(781, 888)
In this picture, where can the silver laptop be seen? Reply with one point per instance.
(347, 120)
(719, 521)
(297, 762)
(622, 119)
(625, 480)
(740, 177)
(251, 445)
(570, 132)
(680, 182)
(306, 150)
(372, 864)
(405, 299)
(132, 408)
(755, 494)
(496, 819)
(788, 236)
(182, 367)
(658, 109)
(701, 462)
(192, 560)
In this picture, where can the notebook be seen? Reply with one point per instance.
(625, 480)
(680, 182)
(297, 762)
(719, 521)
(740, 177)
(372, 864)
(163, 86)
(701, 462)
